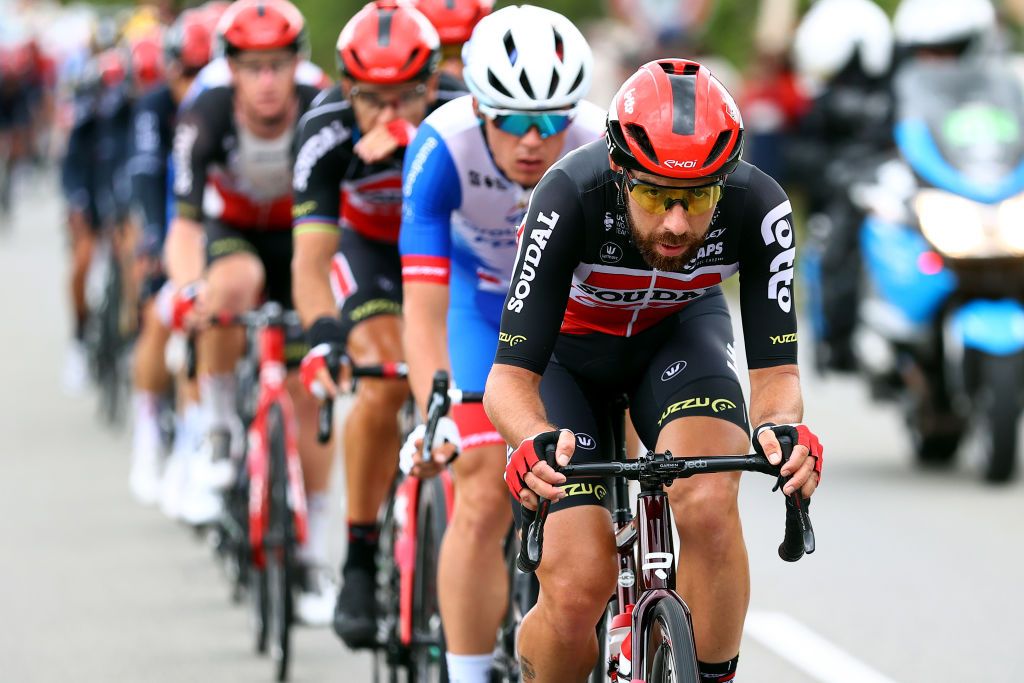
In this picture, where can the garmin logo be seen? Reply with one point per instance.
(529, 260)
(673, 370)
(585, 441)
(610, 253)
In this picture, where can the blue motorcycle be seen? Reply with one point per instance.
(940, 322)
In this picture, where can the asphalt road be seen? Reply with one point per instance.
(917, 576)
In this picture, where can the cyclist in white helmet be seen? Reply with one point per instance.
(468, 176)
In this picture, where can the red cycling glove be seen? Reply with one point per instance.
(523, 459)
(313, 362)
(799, 434)
(183, 303)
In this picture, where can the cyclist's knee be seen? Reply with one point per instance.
(383, 397)
(482, 510)
(234, 283)
(706, 510)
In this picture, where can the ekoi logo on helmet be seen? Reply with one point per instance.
(673, 163)
(629, 101)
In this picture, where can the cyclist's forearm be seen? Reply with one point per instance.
(311, 277)
(512, 401)
(425, 336)
(184, 251)
(775, 395)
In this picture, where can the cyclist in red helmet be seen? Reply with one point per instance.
(232, 239)
(187, 47)
(616, 291)
(454, 21)
(348, 274)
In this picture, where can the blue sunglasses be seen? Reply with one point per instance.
(519, 123)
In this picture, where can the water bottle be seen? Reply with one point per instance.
(619, 644)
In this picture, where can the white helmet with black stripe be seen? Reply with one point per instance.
(527, 58)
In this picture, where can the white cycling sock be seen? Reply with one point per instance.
(145, 408)
(318, 511)
(217, 396)
(469, 668)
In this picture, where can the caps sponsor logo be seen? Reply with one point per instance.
(585, 441)
(510, 339)
(528, 260)
(673, 370)
(184, 140)
(610, 253)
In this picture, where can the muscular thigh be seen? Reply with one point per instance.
(366, 278)
(692, 374)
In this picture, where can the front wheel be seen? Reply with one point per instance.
(428, 647)
(279, 548)
(999, 412)
(670, 653)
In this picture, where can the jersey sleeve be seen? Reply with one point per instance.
(148, 170)
(430, 192)
(551, 243)
(319, 166)
(767, 259)
(193, 150)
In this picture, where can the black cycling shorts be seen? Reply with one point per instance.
(366, 278)
(683, 367)
(272, 247)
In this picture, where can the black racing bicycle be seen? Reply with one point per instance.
(660, 636)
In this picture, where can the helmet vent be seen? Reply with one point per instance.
(576, 83)
(384, 28)
(554, 83)
(639, 136)
(691, 70)
(510, 48)
(412, 58)
(355, 58)
(720, 144)
(525, 82)
(559, 46)
(496, 84)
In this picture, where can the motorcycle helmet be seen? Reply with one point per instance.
(834, 33)
(953, 25)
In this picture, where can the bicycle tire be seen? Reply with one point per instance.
(258, 617)
(428, 647)
(670, 653)
(112, 372)
(391, 658)
(280, 548)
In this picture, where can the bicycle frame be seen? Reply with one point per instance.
(272, 389)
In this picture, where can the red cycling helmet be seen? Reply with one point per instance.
(454, 19)
(147, 62)
(387, 42)
(111, 67)
(674, 119)
(189, 42)
(262, 25)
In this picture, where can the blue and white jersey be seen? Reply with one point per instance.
(460, 213)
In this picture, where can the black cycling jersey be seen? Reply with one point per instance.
(226, 173)
(153, 127)
(113, 151)
(333, 186)
(577, 271)
(78, 180)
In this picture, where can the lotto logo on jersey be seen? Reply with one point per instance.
(184, 141)
(529, 260)
(314, 149)
(775, 228)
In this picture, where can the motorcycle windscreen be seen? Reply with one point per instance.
(960, 126)
(905, 270)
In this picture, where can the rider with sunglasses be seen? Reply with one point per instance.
(616, 291)
(468, 178)
(348, 291)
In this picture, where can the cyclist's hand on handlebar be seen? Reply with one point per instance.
(315, 375)
(447, 444)
(528, 474)
(804, 464)
(186, 307)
